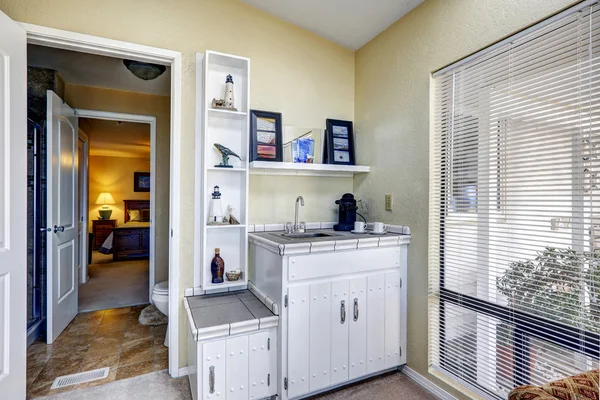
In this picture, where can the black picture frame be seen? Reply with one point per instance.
(141, 181)
(271, 130)
(339, 142)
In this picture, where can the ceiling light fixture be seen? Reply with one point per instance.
(145, 71)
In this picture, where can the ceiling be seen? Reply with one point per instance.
(114, 139)
(93, 70)
(350, 23)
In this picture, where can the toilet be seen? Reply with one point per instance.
(160, 298)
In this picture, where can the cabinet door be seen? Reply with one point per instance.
(357, 353)
(340, 312)
(320, 336)
(298, 340)
(392, 319)
(236, 365)
(262, 349)
(213, 370)
(375, 323)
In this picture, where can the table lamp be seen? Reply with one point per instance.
(105, 198)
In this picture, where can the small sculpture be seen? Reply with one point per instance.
(215, 216)
(228, 102)
(225, 153)
(229, 215)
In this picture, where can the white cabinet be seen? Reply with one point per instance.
(339, 331)
(342, 330)
(358, 328)
(238, 368)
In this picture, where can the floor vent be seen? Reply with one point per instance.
(81, 377)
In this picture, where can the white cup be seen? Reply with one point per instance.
(359, 226)
(379, 227)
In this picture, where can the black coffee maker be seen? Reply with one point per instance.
(347, 213)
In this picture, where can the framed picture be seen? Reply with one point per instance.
(339, 142)
(141, 181)
(266, 142)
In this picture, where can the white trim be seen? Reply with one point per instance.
(183, 371)
(426, 383)
(84, 208)
(143, 119)
(57, 38)
(198, 205)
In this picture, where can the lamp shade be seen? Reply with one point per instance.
(105, 198)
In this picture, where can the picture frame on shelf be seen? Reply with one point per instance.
(141, 181)
(339, 142)
(266, 136)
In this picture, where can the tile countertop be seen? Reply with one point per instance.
(270, 240)
(225, 314)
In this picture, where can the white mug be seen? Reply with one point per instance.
(359, 226)
(379, 227)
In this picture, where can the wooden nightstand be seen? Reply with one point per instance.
(102, 228)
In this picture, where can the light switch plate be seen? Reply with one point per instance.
(388, 202)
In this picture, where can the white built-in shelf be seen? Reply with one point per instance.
(238, 115)
(283, 168)
(234, 169)
(240, 226)
(225, 285)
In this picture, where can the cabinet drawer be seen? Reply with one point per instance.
(345, 262)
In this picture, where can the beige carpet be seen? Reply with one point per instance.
(158, 385)
(114, 284)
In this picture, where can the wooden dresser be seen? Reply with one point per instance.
(102, 228)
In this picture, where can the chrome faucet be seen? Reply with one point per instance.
(299, 201)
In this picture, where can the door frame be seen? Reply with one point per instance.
(83, 207)
(57, 38)
(142, 119)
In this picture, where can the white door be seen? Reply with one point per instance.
(236, 366)
(358, 328)
(213, 370)
(375, 323)
(340, 310)
(298, 336)
(392, 319)
(13, 211)
(262, 364)
(320, 336)
(63, 218)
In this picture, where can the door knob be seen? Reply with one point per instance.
(58, 228)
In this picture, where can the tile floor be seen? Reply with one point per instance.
(109, 338)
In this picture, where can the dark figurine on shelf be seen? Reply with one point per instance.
(217, 267)
(225, 153)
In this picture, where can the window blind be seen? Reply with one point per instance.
(514, 235)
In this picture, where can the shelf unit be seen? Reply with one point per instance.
(230, 129)
(299, 169)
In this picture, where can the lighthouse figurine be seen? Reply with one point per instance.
(229, 100)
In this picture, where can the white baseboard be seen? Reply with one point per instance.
(427, 384)
(183, 371)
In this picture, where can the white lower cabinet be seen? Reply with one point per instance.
(239, 368)
(342, 330)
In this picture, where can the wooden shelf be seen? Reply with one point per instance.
(236, 115)
(299, 169)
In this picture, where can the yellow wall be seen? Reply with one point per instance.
(392, 105)
(114, 175)
(92, 98)
(297, 73)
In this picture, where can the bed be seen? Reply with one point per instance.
(132, 239)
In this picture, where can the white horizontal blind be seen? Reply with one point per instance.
(514, 238)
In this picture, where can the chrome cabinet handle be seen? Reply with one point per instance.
(343, 312)
(58, 228)
(355, 309)
(211, 379)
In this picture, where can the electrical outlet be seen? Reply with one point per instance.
(388, 202)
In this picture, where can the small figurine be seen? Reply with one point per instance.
(215, 216)
(217, 267)
(228, 102)
(229, 215)
(225, 153)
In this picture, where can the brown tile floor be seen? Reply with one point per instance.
(109, 338)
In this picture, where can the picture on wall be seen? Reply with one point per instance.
(141, 181)
(339, 142)
(265, 136)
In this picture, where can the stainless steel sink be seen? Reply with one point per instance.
(304, 235)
